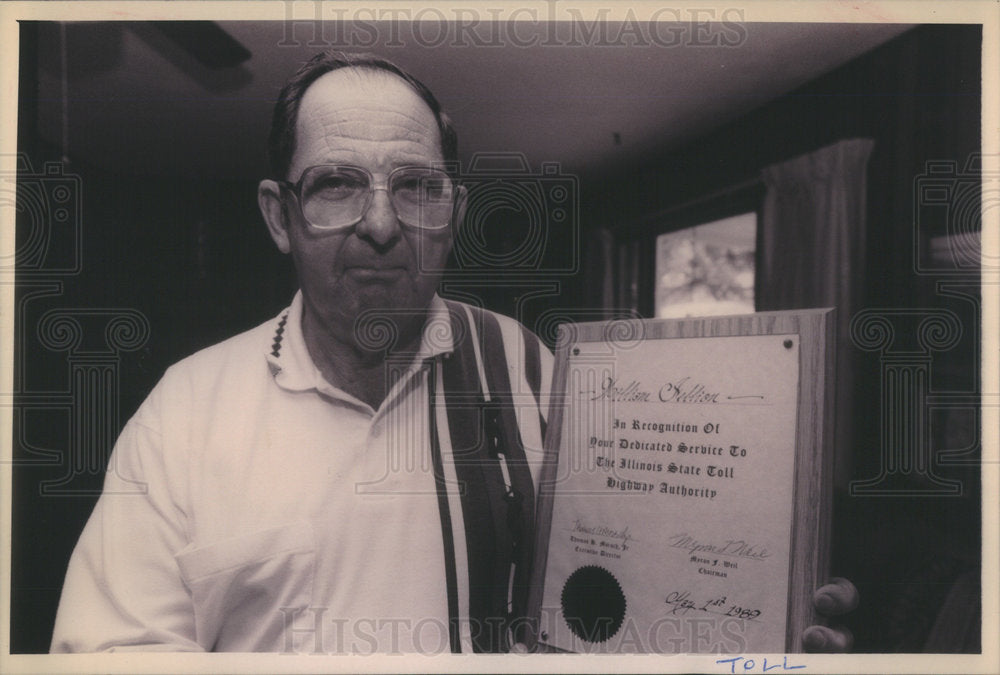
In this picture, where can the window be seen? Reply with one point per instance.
(707, 269)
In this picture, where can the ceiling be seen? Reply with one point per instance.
(136, 101)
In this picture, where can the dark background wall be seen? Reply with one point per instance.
(194, 259)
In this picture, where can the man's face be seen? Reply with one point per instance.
(375, 121)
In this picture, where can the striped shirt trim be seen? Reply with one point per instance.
(444, 508)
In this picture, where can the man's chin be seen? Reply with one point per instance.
(385, 321)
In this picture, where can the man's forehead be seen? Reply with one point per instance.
(349, 108)
(352, 88)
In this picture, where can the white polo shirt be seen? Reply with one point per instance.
(249, 505)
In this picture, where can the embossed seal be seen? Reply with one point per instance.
(593, 603)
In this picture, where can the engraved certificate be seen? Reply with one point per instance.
(674, 496)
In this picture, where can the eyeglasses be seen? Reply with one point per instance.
(337, 197)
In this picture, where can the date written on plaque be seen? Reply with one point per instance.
(675, 502)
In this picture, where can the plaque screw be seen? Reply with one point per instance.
(576, 351)
(788, 344)
(545, 635)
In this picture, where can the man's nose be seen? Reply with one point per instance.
(380, 223)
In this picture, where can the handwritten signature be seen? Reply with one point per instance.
(603, 531)
(739, 548)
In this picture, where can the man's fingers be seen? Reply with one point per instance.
(822, 639)
(837, 597)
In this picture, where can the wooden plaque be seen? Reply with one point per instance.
(684, 501)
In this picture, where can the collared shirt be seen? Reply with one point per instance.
(250, 505)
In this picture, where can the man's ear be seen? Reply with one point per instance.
(271, 207)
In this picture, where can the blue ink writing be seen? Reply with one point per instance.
(748, 665)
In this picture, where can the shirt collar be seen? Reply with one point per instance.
(293, 369)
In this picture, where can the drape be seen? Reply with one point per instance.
(812, 254)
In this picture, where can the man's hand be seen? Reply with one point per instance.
(834, 599)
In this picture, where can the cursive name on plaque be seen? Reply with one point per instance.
(602, 531)
(613, 391)
(739, 548)
(679, 391)
(684, 391)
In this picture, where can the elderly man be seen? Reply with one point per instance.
(351, 476)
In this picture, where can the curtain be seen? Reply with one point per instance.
(812, 254)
